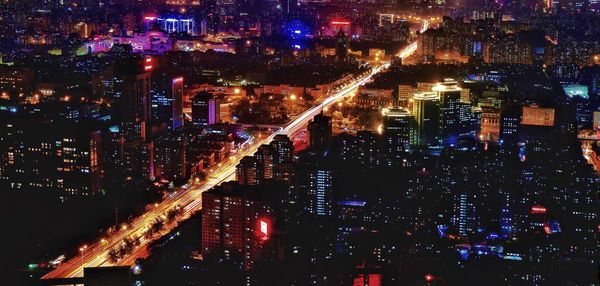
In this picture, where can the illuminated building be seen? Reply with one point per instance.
(375, 98)
(284, 149)
(167, 101)
(596, 120)
(170, 156)
(318, 190)
(367, 148)
(340, 25)
(147, 160)
(406, 91)
(15, 79)
(398, 128)
(510, 122)
(131, 94)
(576, 90)
(199, 45)
(426, 111)
(249, 171)
(177, 97)
(320, 131)
(507, 51)
(205, 109)
(151, 40)
(449, 95)
(236, 223)
(537, 116)
(490, 124)
(50, 157)
(265, 157)
(179, 24)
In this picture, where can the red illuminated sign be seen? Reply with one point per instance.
(148, 65)
(264, 228)
(179, 79)
(538, 210)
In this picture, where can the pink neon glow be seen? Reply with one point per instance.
(340, 23)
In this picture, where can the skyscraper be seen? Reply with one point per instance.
(398, 128)
(248, 171)
(284, 149)
(177, 97)
(265, 157)
(319, 192)
(205, 109)
(426, 110)
(236, 223)
(170, 156)
(167, 101)
(449, 94)
(320, 131)
(131, 93)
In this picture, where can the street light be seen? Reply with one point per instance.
(81, 250)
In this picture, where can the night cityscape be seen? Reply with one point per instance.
(300, 142)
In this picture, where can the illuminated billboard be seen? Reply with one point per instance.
(264, 228)
(538, 116)
(576, 90)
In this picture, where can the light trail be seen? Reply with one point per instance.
(412, 48)
(189, 199)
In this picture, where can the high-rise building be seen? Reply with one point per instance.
(170, 156)
(490, 124)
(449, 95)
(320, 131)
(236, 223)
(398, 128)
(510, 122)
(147, 159)
(248, 171)
(131, 94)
(319, 192)
(205, 109)
(426, 111)
(50, 156)
(284, 149)
(167, 101)
(367, 148)
(265, 157)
